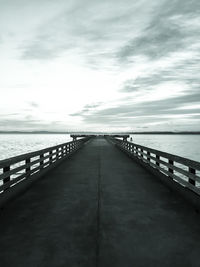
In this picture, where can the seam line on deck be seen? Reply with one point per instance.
(98, 208)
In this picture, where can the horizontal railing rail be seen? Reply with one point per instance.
(184, 171)
(17, 169)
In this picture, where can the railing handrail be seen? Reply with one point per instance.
(179, 159)
(24, 156)
(183, 170)
(16, 169)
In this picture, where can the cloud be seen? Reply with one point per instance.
(170, 30)
(131, 86)
(28, 123)
(117, 63)
(86, 109)
(92, 30)
(34, 104)
(164, 110)
(181, 75)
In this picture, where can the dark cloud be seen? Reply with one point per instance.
(91, 29)
(147, 111)
(131, 86)
(92, 106)
(185, 72)
(29, 123)
(157, 41)
(86, 109)
(19, 123)
(166, 33)
(33, 104)
(76, 114)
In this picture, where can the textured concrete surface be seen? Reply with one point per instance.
(99, 208)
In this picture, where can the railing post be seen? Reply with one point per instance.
(50, 157)
(157, 158)
(62, 151)
(57, 154)
(141, 152)
(70, 147)
(131, 148)
(148, 154)
(28, 168)
(193, 171)
(7, 179)
(41, 162)
(170, 169)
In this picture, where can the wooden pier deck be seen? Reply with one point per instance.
(99, 208)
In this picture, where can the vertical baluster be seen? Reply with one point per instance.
(157, 158)
(148, 154)
(41, 161)
(131, 149)
(68, 149)
(28, 167)
(7, 179)
(50, 157)
(141, 152)
(171, 169)
(193, 171)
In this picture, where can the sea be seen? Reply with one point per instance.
(186, 145)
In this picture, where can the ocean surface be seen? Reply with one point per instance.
(15, 144)
(183, 145)
(186, 145)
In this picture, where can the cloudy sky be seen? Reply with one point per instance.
(102, 65)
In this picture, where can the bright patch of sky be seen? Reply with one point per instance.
(100, 65)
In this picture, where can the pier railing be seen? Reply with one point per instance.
(184, 171)
(25, 167)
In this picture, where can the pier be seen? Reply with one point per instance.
(99, 201)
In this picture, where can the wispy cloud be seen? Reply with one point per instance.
(169, 31)
(34, 104)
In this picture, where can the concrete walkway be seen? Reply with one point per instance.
(99, 208)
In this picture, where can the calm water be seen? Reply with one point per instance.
(12, 145)
(183, 145)
(187, 146)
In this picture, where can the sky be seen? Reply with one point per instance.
(109, 65)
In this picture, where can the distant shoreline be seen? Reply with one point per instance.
(132, 133)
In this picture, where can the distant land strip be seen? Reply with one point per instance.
(94, 133)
